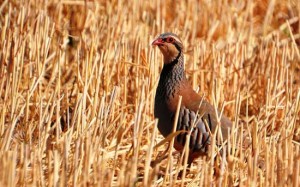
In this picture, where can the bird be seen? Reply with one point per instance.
(172, 84)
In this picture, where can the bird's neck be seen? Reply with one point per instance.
(174, 70)
(171, 76)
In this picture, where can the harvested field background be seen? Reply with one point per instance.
(78, 79)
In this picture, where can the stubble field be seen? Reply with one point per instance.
(78, 79)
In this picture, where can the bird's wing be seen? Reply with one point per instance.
(194, 102)
(211, 116)
(190, 122)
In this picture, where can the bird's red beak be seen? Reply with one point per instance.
(158, 41)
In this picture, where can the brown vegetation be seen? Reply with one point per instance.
(77, 84)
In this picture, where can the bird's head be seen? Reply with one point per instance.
(170, 46)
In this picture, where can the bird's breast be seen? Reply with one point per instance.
(165, 106)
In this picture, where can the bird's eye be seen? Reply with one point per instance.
(170, 40)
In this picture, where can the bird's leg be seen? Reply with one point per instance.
(160, 158)
(188, 168)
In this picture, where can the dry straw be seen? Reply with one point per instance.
(77, 85)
